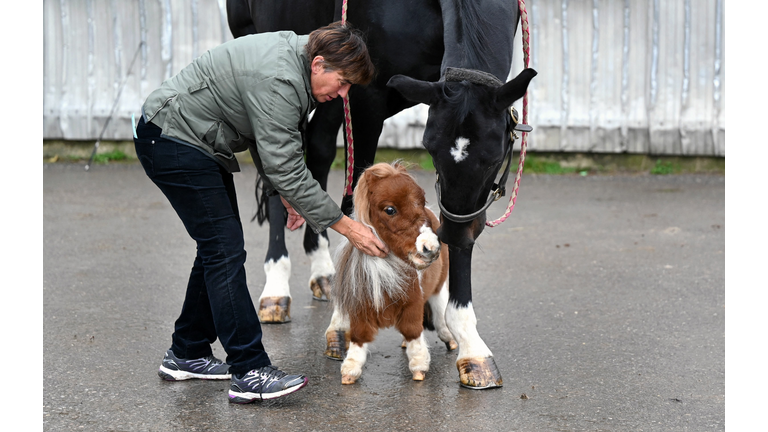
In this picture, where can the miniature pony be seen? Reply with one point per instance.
(408, 289)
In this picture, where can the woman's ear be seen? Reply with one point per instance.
(318, 64)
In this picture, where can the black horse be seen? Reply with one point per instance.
(453, 55)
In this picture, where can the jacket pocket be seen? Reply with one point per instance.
(220, 137)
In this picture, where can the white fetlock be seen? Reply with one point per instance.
(352, 367)
(418, 357)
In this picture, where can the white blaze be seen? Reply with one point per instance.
(459, 152)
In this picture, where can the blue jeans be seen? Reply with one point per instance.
(217, 302)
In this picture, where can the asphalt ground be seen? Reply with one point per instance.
(602, 299)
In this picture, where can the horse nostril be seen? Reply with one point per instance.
(425, 249)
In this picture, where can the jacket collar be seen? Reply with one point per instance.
(307, 71)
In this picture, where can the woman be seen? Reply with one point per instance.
(256, 91)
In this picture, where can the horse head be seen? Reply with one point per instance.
(467, 135)
(388, 199)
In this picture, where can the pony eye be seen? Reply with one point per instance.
(390, 210)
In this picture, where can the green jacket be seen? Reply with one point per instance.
(253, 90)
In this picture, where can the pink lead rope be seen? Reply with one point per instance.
(348, 125)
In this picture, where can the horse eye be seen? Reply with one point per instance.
(390, 210)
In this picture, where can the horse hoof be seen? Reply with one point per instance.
(336, 344)
(321, 287)
(451, 345)
(348, 379)
(275, 310)
(479, 373)
(418, 375)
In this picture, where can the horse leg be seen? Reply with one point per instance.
(361, 334)
(337, 335)
(369, 108)
(321, 151)
(418, 357)
(439, 303)
(322, 270)
(352, 367)
(275, 299)
(410, 325)
(477, 368)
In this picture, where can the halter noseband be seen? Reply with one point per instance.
(499, 189)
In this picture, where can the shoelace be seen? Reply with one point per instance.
(263, 376)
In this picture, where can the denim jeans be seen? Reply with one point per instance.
(217, 302)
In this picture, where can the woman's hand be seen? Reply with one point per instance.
(361, 237)
(295, 220)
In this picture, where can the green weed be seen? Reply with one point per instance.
(115, 155)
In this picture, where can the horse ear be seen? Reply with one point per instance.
(507, 94)
(414, 90)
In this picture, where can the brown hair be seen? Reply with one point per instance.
(344, 50)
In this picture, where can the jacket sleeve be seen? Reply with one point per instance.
(275, 117)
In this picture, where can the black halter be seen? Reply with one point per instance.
(499, 189)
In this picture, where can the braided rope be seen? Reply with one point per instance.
(524, 140)
(348, 126)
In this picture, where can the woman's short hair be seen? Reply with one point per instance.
(343, 49)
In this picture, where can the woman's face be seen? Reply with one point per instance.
(327, 84)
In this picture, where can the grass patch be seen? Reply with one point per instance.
(114, 155)
(665, 168)
(540, 165)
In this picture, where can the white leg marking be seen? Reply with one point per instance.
(459, 152)
(439, 303)
(278, 274)
(339, 321)
(463, 324)
(321, 262)
(352, 367)
(418, 354)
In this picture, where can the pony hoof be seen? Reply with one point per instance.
(275, 310)
(451, 345)
(321, 287)
(336, 344)
(479, 373)
(348, 379)
(418, 375)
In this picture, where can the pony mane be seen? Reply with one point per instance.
(363, 281)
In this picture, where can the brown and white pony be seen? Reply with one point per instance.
(400, 290)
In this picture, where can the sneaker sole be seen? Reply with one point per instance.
(246, 397)
(177, 375)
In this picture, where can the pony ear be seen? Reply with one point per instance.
(507, 94)
(414, 90)
(360, 200)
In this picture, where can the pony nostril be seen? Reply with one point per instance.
(425, 249)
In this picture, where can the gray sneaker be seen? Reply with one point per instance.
(176, 369)
(267, 382)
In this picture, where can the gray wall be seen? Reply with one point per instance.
(636, 76)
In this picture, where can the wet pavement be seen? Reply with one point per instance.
(602, 299)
